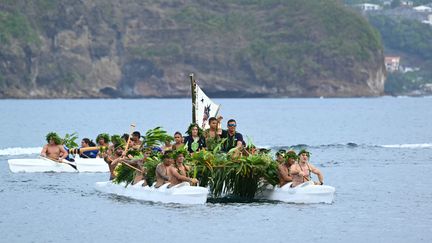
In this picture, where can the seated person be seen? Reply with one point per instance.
(163, 173)
(103, 140)
(179, 171)
(85, 153)
(284, 167)
(280, 156)
(135, 140)
(54, 149)
(301, 171)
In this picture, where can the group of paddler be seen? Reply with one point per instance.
(119, 150)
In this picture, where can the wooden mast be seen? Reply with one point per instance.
(193, 89)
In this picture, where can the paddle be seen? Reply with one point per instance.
(128, 141)
(126, 149)
(60, 161)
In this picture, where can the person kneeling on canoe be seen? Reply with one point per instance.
(54, 149)
(300, 171)
(163, 174)
(140, 172)
(178, 170)
(114, 159)
(284, 168)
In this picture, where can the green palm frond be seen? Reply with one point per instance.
(124, 174)
(156, 136)
(69, 140)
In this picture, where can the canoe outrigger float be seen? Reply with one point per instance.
(182, 193)
(46, 165)
(307, 192)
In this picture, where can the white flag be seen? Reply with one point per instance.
(204, 109)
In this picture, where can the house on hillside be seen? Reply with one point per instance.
(392, 63)
(423, 9)
(386, 3)
(368, 7)
(406, 3)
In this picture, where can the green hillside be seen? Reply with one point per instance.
(147, 48)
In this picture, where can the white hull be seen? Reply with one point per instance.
(303, 193)
(46, 165)
(182, 193)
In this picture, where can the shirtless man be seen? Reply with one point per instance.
(179, 171)
(163, 174)
(103, 140)
(54, 150)
(300, 171)
(284, 168)
(113, 160)
(138, 163)
(280, 156)
(135, 140)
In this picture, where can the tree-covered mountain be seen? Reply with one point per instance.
(237, 48)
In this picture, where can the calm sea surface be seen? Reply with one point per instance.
(376, 152)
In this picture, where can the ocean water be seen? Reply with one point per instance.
(376, 152)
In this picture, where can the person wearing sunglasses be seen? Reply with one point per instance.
(233, 138)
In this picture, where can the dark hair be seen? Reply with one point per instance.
(212, 119)
(103, 136)
(86, 140)
(167, 154)
(89, 142)
(137, 134)
(178, 133)
(125, 136)
(231, 120)
(192, 125)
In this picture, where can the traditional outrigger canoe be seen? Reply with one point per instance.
(46, 165)
(307, 192)
(182, 193)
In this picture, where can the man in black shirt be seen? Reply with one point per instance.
(233, 138)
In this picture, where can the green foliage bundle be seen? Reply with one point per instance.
(153, 137)
(240, 176)
(117, 141)
(69, 140)
(156, 136)
(124, 174)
